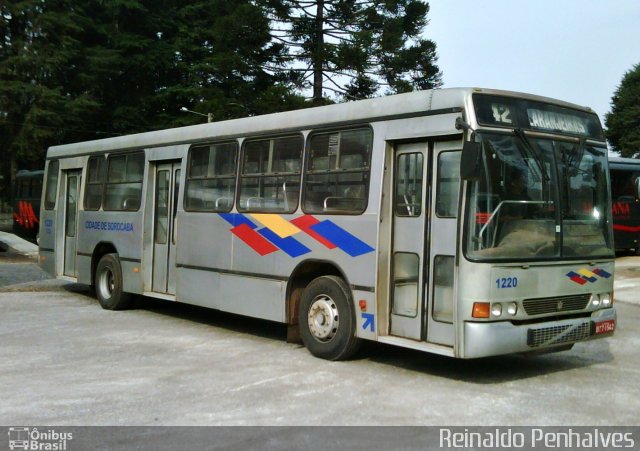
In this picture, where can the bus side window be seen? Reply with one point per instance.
(211, 177)
(52, 185)
(95, 183)
(337, 172)
(123, 190)
(270, 175)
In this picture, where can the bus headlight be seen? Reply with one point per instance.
(595, 300)
(496, 309)
(605, 299)
(512, 308)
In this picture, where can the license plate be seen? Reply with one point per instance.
(605, 327)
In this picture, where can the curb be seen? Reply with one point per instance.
(17, 245)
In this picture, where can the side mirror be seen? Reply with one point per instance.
(637, 187)
(471, 160)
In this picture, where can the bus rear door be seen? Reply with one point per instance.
(72, 181)
(167, 188)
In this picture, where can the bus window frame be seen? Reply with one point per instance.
(126, 181)
(233, 176)
(272, 174)
(306, 173)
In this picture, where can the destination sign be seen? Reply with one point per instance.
(548, 120)
(520, 113)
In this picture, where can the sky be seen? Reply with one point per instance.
(572, 50)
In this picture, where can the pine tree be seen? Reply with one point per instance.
(73, 70)
(222, 51)
(623, 122)
(42, 100)
(355, 48)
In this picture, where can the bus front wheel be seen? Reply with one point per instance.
(326, 318)
(108, 284)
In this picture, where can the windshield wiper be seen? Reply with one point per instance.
(531, 153)
(575, 156)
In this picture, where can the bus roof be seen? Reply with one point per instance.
(25, 173)
(622, 163)
(372, 110)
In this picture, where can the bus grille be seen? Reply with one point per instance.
(558, 334)
(556, 304)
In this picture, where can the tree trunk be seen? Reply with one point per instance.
(317, 57)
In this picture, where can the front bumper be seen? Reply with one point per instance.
(503, 337)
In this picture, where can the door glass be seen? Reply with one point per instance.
(52, 185)
(72, 203)
(406, 269)
(162, 207)
(176, 190)
(409, 185)
(443, 270)
(447, 189)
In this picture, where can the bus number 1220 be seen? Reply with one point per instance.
(507, 282)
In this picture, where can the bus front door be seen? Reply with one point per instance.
(72, 189)
(408, 259)
(167, 187)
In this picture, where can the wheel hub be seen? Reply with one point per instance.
(323, 318)
(106, 284)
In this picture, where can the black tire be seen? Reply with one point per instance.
(326, 319)
(108, 284)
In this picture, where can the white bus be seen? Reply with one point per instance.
(463, 222)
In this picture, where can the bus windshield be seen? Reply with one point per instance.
(539, 198)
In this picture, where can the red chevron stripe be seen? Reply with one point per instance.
(253, 239)
(305, 222)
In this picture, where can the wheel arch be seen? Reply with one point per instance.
(301, 276)
(101, 249)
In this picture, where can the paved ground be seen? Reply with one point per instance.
(627, 280)
(65, 361)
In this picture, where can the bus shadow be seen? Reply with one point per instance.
(491, 370)
(201, 315)
(216, 318)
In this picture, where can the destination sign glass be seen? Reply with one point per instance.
(520, 113)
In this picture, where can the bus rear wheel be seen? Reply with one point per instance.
(108, 284)
(326, 319)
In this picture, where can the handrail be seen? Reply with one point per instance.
(219, 199)
(497, 209)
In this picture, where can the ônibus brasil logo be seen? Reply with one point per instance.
(33, 439)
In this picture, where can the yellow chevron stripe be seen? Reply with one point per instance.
(586, 273)
(277, 223)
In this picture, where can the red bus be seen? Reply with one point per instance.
(625, 203)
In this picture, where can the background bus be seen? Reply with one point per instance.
(26, 203)
(625, 197)
(394, 219)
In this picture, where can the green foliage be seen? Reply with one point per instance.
(74, 70)
(623, 122)
(355, 48)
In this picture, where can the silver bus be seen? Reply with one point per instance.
(463, 222)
